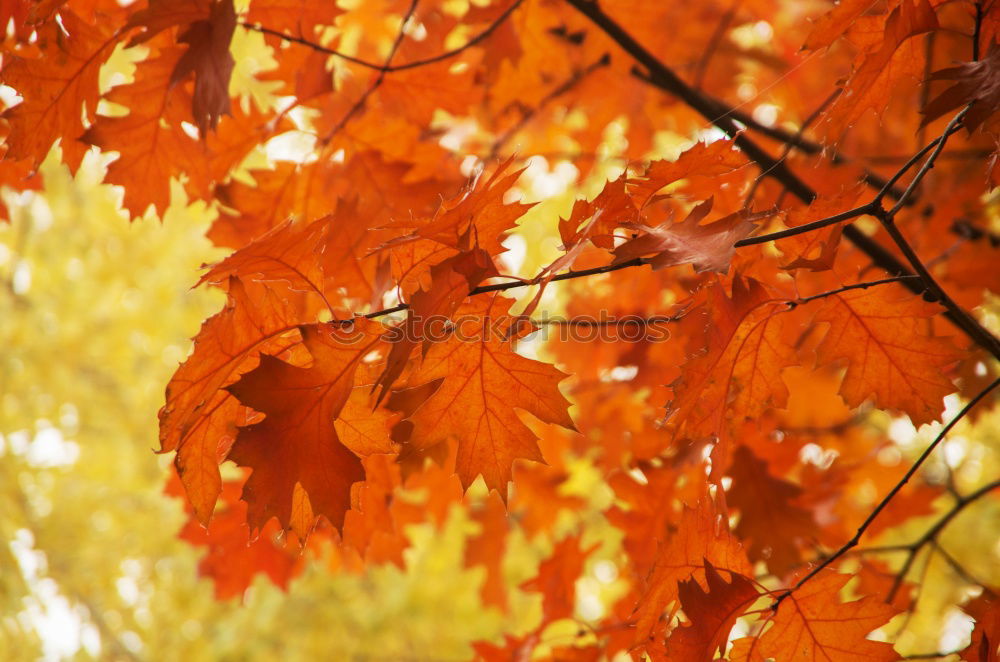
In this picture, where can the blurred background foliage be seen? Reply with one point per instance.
(95, 314)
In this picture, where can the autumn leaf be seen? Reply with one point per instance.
(300, 467)
(711, 614)
(59, 86)
(771, 520)
(208, 58)
(888, 354)
(985, 644)
(881, 67)
(231, 561)
(150, 140)
(738, 373)
(977, 83)
(702, 540)
(556, 579)
(702, 161)
(708, 247)
(199, 418)
(812, 623)
(484, 383)
(372, 180)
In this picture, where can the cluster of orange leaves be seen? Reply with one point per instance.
(348, 429)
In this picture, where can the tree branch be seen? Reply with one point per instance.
(664, 78)
(932, 533)
(386, 67)
(794, 303)
(970, 326)
(853, 542)
(503, 287)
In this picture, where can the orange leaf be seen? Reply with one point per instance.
(58, 87)
(707, 247)
(977, 83)
(985, 644)
(152, 144)
(208, 58)
(484, 382)
(890, 353)
(711, 613)
(770, 518)
(813, 624)
(198, 419)
(300, 466)
(702, 538)
(879, 69)
(738, 374)
(556, 579)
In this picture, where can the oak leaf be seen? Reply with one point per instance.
(702, 537)
(985, 644)
(59, 86)
(708, 247)
(771, 520)
(711, 615)
(484, 381)
(300, 466)
(890, 353)
(977, 83)
(813, 624)
(556, 579)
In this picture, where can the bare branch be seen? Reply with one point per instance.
(389, 68)
(856, 286)
(930, 536)
(503, 287)
(853, 542)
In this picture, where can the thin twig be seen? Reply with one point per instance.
(788, 146)
(853, 542)
(558, 91)
(931, 534)
(360, 103)
(389, 68)
(970, 326)
(856, 286)
(503, 287)
(807, 227)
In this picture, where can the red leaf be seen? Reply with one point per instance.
(301, 468)
(711, 613)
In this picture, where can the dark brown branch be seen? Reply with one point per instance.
(664, 78)
(794, 303)
(951, 155)
(503, 287)
(389, 68)
(807, 227)
(970, 326)
(929, 656)
(853, 542)
(871, 207)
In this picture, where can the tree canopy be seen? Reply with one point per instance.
(532, 329)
